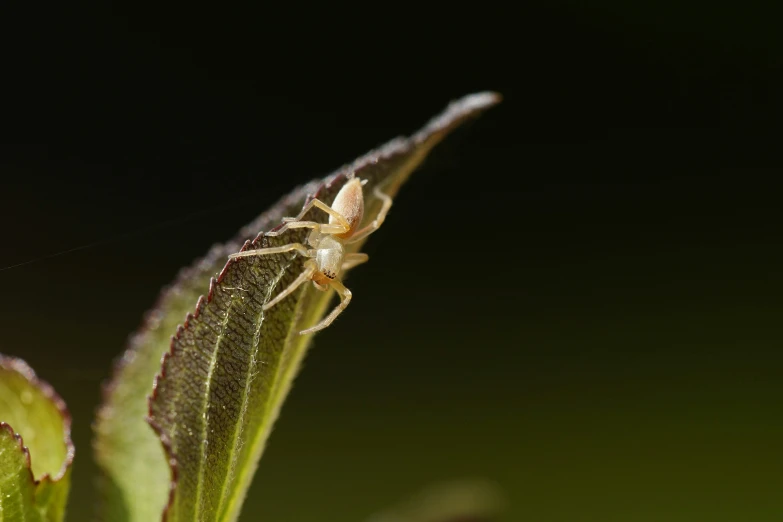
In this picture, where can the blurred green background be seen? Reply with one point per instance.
(577, 298)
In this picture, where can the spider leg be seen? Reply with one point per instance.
(345, 298)
(320, 227)
(296, 283)
(351, 260)
(326, 208)
(274, 250)
(378, 221)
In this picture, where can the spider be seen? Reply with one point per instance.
(327, 257)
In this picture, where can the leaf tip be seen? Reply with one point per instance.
(480, 100)
(22, 448)
(455, 114)
(8, 428)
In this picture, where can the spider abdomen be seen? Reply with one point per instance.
(349, 203)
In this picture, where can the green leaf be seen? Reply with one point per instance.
(230, 366)
(466, 501)
(136, 478)
(36, 451)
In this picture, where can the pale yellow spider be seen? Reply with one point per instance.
(327, 257)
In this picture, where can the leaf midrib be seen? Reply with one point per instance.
(205, 424)
(282, 375)
(259, 323)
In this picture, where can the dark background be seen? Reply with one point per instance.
(578, 297)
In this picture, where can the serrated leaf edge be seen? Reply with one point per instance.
(24, 369)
